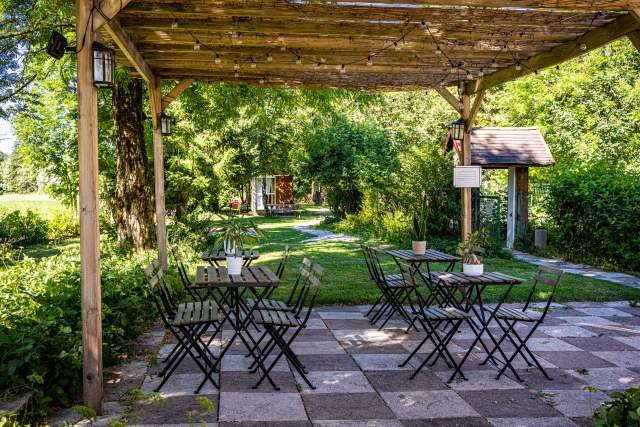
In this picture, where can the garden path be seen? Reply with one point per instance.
(321, 235)
(580, 269)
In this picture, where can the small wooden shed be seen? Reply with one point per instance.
(515, 149)
(271, 192)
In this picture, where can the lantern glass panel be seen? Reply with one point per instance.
(103, 66)
(165, 125)
(457, 129)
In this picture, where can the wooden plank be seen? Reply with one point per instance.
(477, 103)
(571, 49)
(466, 161)
(91, 294)
(121, 37)
(448, 96)
(158, 173)
(107, 10)
(634, 37)
(180, 87)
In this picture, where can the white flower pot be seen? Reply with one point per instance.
(234, 264)
(419, 248)
(229, 247)
(473, 269)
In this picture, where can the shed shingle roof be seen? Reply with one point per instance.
(503, 147)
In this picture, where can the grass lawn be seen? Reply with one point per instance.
(347, 280)
(41, 203)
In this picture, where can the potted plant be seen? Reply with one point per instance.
(234, 234)
(419, 229)
(469, 249)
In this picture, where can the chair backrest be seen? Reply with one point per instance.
(550, 277)
(296, 296)
(283, 262)
(313, 288)
(158, 288)
(182, 271)
(408, 275)
(367, 260)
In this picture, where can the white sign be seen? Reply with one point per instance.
(467, 176)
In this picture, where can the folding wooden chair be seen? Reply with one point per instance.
(187, 322)
(431, 318)
(184, 277)
(508, 318)
(293, 300)
(278, 323)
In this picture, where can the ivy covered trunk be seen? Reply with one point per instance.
(133, 207)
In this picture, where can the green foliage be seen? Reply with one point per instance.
(470, 248)
(420, 221)
(22, 228)
(622, 411)
(236, 233)
(40, 323)
(593, 214)
(62, 225)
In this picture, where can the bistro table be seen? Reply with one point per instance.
(418, 261)
(469, 299)
(214, 257)
(258, 280)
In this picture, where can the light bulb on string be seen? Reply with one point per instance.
(174, 25)
(197, 45)
(469, 75)
(583, 46)
(317, 66)
(262, 80)
(298, 60)
(236, 74)
(396, 46)
(438, 51)
(253, 63)
(518, 66)
(217, 59)
(343, 69)
(269, 57)
(236, 65)
(494, 63)
(480, 73)
(283, 48)
(369, 61)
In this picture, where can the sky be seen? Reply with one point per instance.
(7, 137)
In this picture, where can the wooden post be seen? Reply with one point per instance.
(89, 205)
(511, 207)
(158, 172)
(466, 161)
(522, 192)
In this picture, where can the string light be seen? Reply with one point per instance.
(283, 48)
(262, 80)
(369, 61)
(453, 69)
(438, 51)
(469, 75)
(323, 60)
(494, 63)
(298, 60)
(236, 65)
(174, 25)
(217, 59)
(236, 74)
(317, 66)
(396, 46)
(197, 45)
(343, 69)
(269, 57)
(583, 46)
(480, 73)
(518, 66)
(253, 63)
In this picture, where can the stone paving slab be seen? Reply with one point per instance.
(588, 350)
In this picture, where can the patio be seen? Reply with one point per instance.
(588, 348)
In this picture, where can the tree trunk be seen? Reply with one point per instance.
(133, 206)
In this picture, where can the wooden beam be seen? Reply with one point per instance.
(635, 39)
(89, 209)
(466, 161)
(180, 87)
(448, 96)
(477, 103)
(108, 9)
(158, 172)
(592, 40)
(128, 48)
(594, 5)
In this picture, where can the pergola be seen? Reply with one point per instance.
(372, 45)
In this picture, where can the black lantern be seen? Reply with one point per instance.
(104, 65)
(57, 45)
(458, 128)
(165, 125)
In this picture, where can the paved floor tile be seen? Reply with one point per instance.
(261, 407)
(352, 423)
(479, 380)
(560, 379)
(372, 348)
(314, 335)
(602, 343)
(401, 381)
(609, 378)
(587, 320)
(428, 404)
(336, 382)
(245, 381)
(577, 403)
(564, 331)
(574, 359)
(520, 363)
(448, 422)
(550, 344)
(328, 362)
(178, 385)
(316, 324)
(346, 406)
(240, 363)
(370, 335)
(532, 422)
(174, 410)
(319, 347)
(382, 362)
(604, 312)
(342, 315)
(507, 403)
(428, 347)
(346, 324)
(632, 341)
(624, 359)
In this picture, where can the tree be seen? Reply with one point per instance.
(133, 202)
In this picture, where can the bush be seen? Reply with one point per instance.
(63, 224)
(623, 410)
(21, 229)
(41, 326)
(594, 215)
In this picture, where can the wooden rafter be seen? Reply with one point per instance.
(180, 87)
(571, 49)
(475, 108)
(121, 37)
(455, 103)
(634, 37)
(107, 10)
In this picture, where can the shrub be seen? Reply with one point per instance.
(594, 215)
(21, 229)
(41, 327)
(623, 410)
(63, 224)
